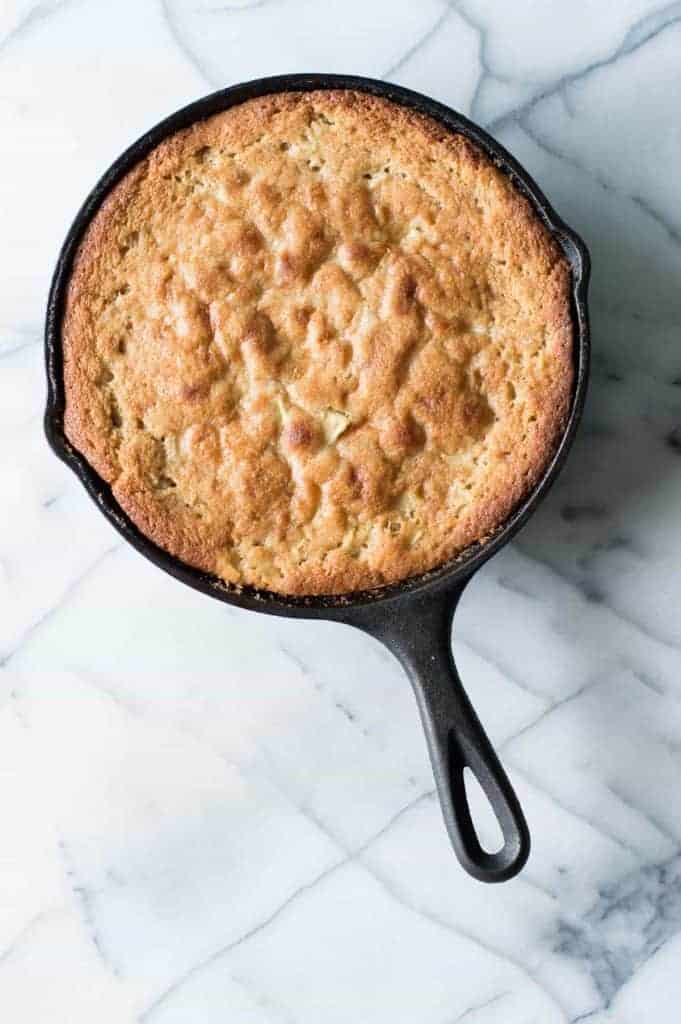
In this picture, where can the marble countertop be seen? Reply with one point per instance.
(210, 816)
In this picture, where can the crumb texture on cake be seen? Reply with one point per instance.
(316, 343)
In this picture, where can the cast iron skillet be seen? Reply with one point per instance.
(413, 618)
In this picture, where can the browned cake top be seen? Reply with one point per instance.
(316, 343)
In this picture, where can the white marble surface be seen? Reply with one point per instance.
(212, 816)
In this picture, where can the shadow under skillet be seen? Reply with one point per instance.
(627, 455)
(608, 533)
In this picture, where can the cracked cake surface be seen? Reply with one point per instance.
(317, 343)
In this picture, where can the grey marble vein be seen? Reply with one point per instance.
(36, 13)
(360, 856)
(418, 45)
(486, 72)
(345, 858)
(7, 655)
(511, 584)
(591, 594)
(552, 150)
(647, 815)
(250, 5)
(570, 808)
(643, 31)
(274, 779)
(647, 208)
(630, 920)
(650, 25)
(54, 499)
(392, 889)
(31, 336)
(644, 679)
(613, 543)
(497, 662)
(303, 667)
(348, 712)
(579, 165)
(554, 706)
(85, 898)
(125, 704)
(26, 932)
(470, 1011)
(275, 1010)
(183, 47)
(14, 699)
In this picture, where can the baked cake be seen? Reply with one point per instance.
(317, 343)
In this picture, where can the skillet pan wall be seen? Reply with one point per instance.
(412, 618)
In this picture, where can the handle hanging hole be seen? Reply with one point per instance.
(485, 820)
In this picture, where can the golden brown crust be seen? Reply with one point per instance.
(317, 343)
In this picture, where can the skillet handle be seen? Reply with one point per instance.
(456, 739)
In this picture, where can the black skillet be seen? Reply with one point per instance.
(414, 618)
